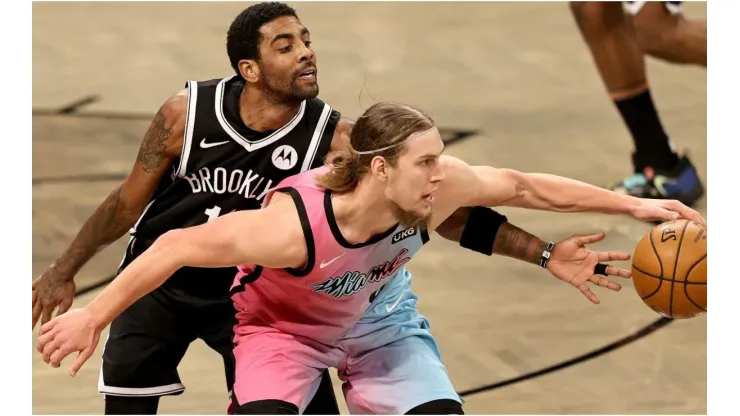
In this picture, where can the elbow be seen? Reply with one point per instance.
(542, 197)
(171, 248)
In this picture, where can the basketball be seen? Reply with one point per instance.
(669, 269)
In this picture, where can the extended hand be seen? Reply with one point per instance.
(572, 262)
(73, 331)
(51, 290)
(666, 210)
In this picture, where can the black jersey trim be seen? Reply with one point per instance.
(307, 233)
(318, 134)
(424, 235)
(243, 141)
(332, 220)
(187, 140)
(247, 279)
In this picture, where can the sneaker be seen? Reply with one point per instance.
(681, 183)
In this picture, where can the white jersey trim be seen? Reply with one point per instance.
(187, 142)
(318, 133)
(250, 145)
(134, 391)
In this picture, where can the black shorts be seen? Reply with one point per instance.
(147, 342)
(149, 339)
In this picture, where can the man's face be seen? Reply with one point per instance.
(287, 62)
(415, 178)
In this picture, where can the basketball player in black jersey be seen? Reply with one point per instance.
(213, 148)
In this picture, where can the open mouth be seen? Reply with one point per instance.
(309, 74)
(428, 198)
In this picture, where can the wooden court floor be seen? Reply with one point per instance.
(517, 74)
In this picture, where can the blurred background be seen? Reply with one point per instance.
(515, 80)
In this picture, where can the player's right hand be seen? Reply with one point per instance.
(53, 289)
(665, 210)
(74, 331)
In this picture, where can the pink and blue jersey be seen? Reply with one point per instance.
(326, 297)
(350, 307)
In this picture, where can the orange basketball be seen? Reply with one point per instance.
(669, 269)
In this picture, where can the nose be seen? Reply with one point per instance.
(438, 175)
(306, 54)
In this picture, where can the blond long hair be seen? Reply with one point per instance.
(383, 124)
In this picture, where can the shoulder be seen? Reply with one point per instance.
(457, 188)
(168, 124)
(341, 140)
(174, 110)
(282, 218)
(454, 168)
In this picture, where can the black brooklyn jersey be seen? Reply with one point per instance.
(226, 167)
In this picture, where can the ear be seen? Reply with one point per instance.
(249, 70)
(379, 168)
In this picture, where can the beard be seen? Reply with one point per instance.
(289, 91)
(410, 219)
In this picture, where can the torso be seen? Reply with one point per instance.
(226, 167)
(330, 293)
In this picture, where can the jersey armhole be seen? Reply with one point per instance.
(307, 233)
(424, 235)
(187, 140)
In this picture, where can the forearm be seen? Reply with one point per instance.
(559, 194)
(107, 224)
(485, 231)
(142, 276)
(512, 241)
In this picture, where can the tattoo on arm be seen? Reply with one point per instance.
(512, 241)
(120, 210)
(107, 224)
(153, 148)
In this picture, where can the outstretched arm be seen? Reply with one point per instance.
(488, 186)
(271, 237)
(487, 232)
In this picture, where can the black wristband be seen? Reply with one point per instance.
(481, 229)
(545, 257)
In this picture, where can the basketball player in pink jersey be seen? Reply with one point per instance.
(322, 279)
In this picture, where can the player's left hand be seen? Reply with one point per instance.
(571, 261)
(75, 331)
(665, 210)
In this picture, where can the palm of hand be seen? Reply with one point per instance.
(572, 262)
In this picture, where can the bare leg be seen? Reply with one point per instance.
(610, 35)
(671, 37)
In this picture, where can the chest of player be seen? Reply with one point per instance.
(220, 168)
(341, 272)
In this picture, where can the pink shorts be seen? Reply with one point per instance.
(389, 370)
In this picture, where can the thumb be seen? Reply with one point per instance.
(583, 240)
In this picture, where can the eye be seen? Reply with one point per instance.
(286, 49)
(308, 44)
(427, 162)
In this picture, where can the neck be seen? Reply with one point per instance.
(362, 213)
(261, 112)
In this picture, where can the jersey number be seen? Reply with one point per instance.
(213, 213)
